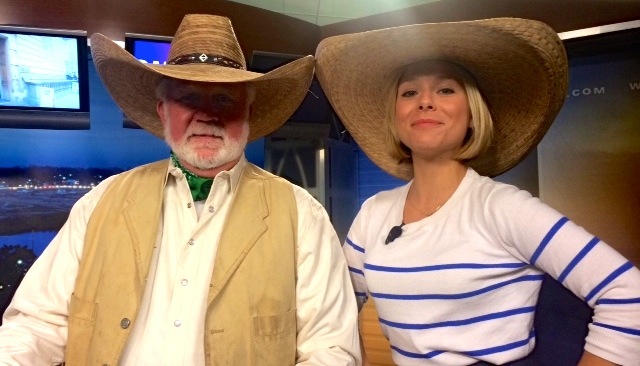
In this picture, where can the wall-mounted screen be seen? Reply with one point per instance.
(43, 78)
(149, 49)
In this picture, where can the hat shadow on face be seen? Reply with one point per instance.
(204, 49)
(520, 66)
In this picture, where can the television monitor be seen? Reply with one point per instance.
(43, 78)
(149, 49)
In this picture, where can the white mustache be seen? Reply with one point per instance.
(203, 129)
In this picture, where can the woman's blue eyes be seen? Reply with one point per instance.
(412, 93)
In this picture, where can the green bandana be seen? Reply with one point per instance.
(199, 186)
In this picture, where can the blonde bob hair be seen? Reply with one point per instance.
(480, 134)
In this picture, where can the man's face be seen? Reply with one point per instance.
(205, 124)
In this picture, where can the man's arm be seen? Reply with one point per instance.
(34, 326)
(326, 308)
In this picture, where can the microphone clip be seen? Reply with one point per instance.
(394, 233)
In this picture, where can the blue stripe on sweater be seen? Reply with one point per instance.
(457, 323)
(590, 245)
(416, 355)
(506, 347)
(354, 246)
(635, 332)
(457, 296)
(439, 267)
(618, 301)
(623, 268)
(475, 353)
(356, 271)
(547, 238)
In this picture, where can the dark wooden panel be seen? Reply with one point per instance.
(561, 15)
(257, 29)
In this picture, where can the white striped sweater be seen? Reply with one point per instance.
(462, 285)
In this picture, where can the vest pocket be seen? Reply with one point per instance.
(82, 320)
(82, 310)
(275, 325)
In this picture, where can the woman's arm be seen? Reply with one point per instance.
(589, 359)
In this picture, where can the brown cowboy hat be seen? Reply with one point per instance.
(204, 49)
(520, 66)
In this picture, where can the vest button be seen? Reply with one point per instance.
(125, 323)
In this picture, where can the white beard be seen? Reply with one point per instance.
(226, 150)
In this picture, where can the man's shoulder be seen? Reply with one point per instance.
(302, 197)
(158, 168)
(137, 176)
(160, 165)
(255, 172)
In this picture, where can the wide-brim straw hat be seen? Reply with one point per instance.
(203, 49)
(520, 66)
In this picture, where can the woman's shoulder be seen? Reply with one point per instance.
(486, 187)
(386, 197)
(487, 197)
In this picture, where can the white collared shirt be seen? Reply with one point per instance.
(169, 329)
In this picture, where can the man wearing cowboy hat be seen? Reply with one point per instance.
(202, 259)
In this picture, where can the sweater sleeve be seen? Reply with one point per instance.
(580, 261)
(354, 251)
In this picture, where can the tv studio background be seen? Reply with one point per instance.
(587, 166)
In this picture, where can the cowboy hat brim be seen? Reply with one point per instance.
(520, 66)
(132, 84)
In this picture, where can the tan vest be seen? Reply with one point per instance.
(251, 314)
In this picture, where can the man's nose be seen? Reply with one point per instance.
(209, 109)
(208, 112)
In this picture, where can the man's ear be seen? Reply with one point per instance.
(160, 110)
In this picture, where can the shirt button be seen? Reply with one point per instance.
(192, 242)
(189, 205)
(124, 323)
(177, 323)
(211, 209)
(184, 282)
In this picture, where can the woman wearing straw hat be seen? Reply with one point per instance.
(199, 259)
(454, 260)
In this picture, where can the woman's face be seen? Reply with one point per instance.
(432, 110)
